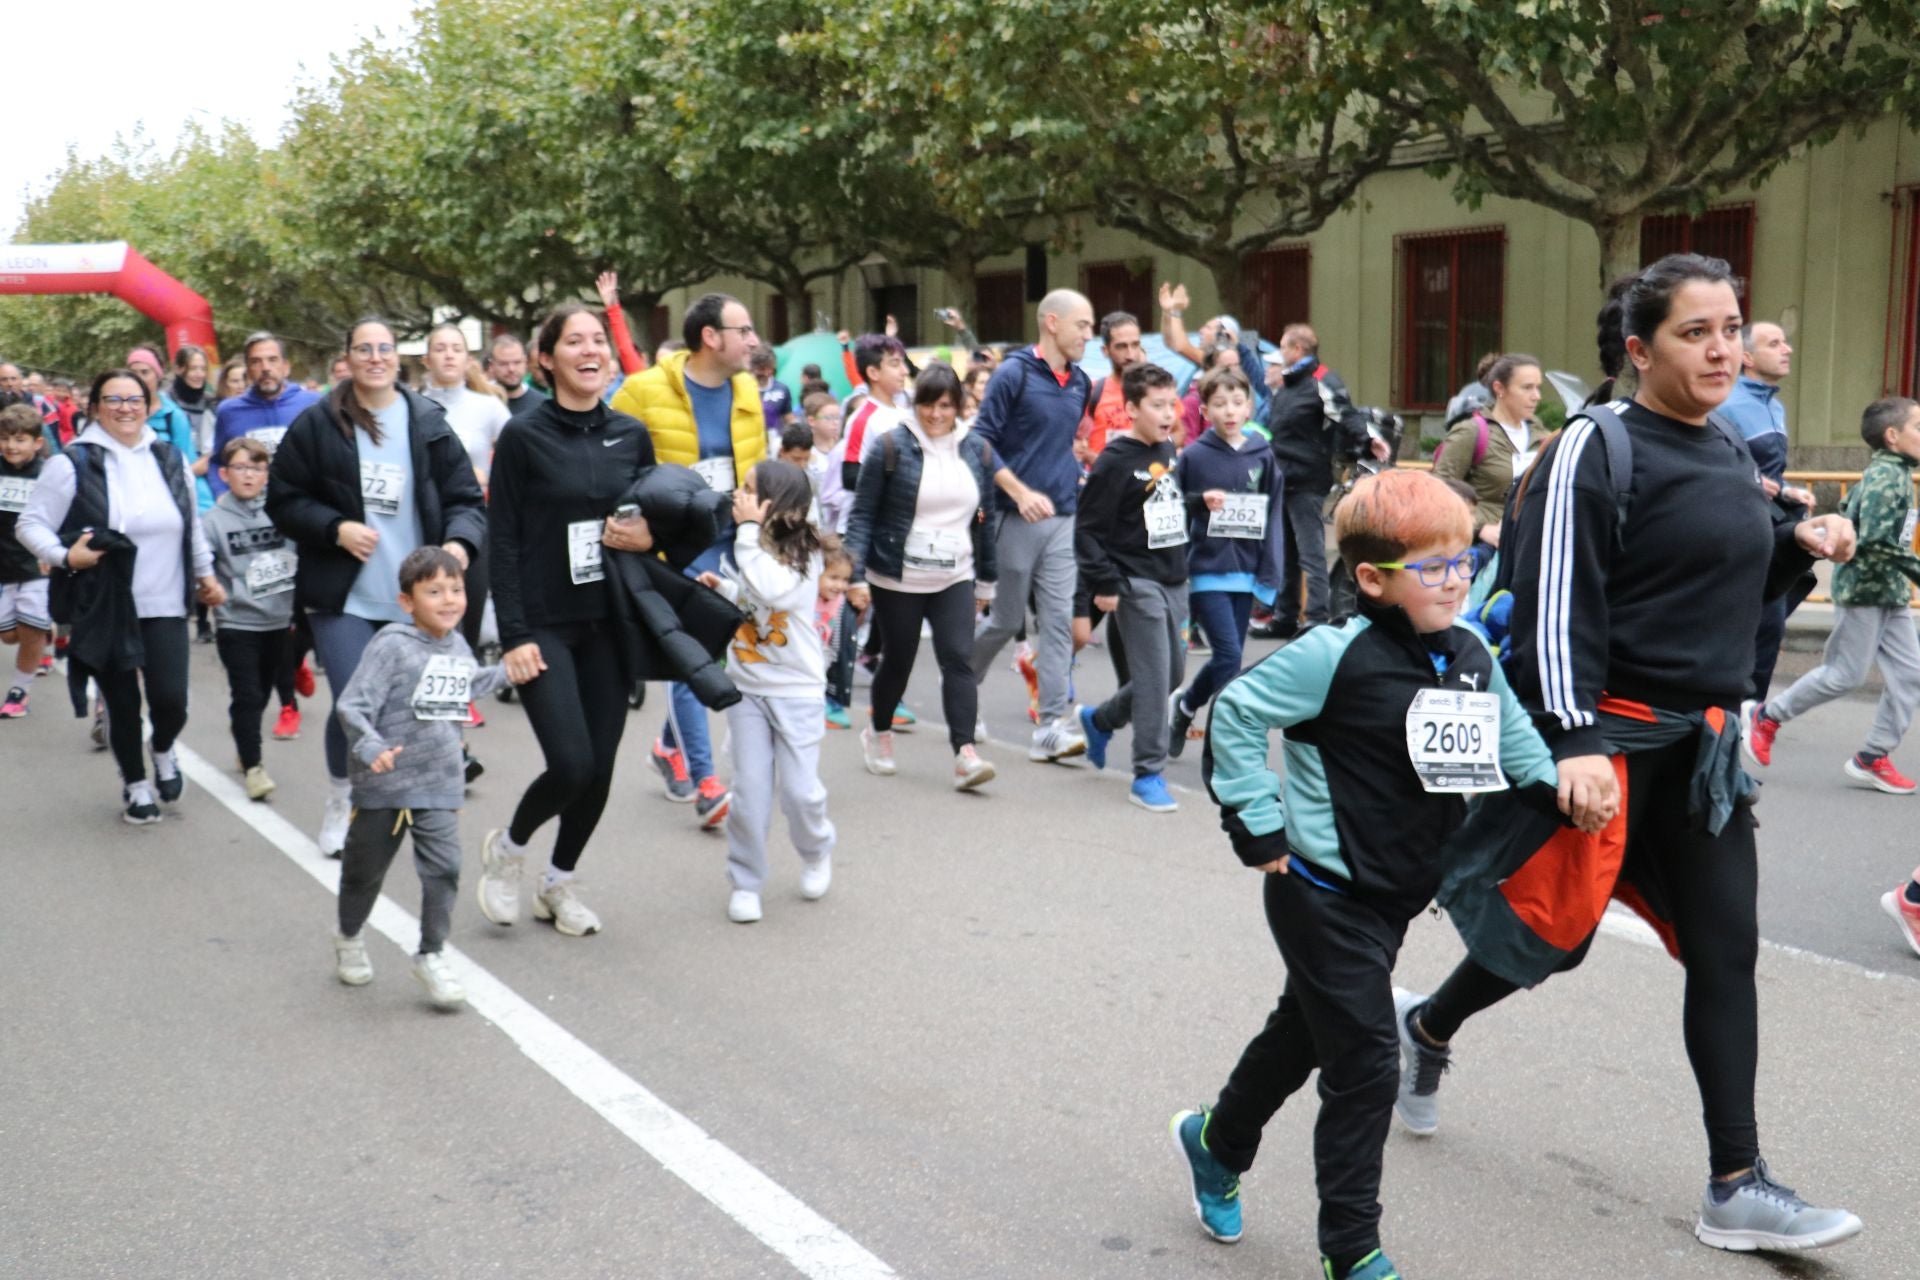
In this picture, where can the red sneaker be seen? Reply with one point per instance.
(1880, 775)
(712, 803)
(46, 665)
(1756, 734)
(474, 719)
(1023, 663)
(1905, 914)
(303, 679)
(288, 725)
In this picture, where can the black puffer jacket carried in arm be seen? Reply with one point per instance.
(314, 486)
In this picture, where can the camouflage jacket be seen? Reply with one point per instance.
(1882, 509)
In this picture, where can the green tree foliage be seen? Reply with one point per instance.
(1606, 110)
(1212, 130)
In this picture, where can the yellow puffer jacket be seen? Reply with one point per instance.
(658, 397)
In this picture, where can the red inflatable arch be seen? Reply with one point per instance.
(117, 268)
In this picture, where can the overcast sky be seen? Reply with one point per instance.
(208, 60)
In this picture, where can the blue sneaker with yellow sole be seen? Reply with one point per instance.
(1216, 1188)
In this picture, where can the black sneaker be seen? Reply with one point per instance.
(473, 766)
(141, 810)
(1179, 720)
(167, 778)
(1274, 628)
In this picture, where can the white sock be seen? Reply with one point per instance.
(508, 848)
(165, 765)
(554, 876)
(339, 788)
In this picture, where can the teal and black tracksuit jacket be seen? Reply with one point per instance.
(1352, 812)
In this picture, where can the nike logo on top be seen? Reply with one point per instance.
(608, 444)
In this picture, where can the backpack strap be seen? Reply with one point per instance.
(1619, 445)
(890, 451)
(1480, 440)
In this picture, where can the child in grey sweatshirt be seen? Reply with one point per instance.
(402, 712)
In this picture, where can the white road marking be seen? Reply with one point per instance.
(1626, 924)
(814, 1246)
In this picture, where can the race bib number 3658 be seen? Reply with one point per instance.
(1453, 739)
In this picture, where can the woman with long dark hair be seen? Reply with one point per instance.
(1643, 547)
(559, 472)
(361, 479)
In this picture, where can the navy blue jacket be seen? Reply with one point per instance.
(888, 496)
(1211, 463)
(1030, 421)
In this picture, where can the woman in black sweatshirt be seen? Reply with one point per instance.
(559, 471)
(1633, 627)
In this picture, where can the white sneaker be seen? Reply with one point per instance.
(334, 818)
(969, 770)
(259, 785)
(743, 907)
(350, 963)
(876, 749)
(498, 887)
(436, 975)
(815, 878)
(570, 916)
(1057, 741)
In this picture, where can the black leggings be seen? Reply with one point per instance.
(578, 709)
(295, 652)
(476, 581)
(252, 660)
(896, 618)
(1709, 886)
(164, 677)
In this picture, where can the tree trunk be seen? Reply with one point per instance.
(1230, 280)
(1619, 248)
(962, 270)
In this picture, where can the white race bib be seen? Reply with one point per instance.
(382, 486)
(1244, 515)
(444, 690)
(270, 572)
(1906, 530)
(268, 436)
(14, 492)
(717, 472)
(937, 550)
(1166, 521)
(1453, 738)
(583, 551)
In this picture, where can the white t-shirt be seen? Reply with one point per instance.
(476, 419)
(939, 550)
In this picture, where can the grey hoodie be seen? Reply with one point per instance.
(391, 702)
(253, 561)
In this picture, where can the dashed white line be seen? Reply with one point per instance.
(814, 1246)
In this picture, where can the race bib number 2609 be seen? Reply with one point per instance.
(1453, 739)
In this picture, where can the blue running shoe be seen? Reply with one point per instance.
(1149, 792)
(1097, 739)
(1375, 1266)
(1216, 1188)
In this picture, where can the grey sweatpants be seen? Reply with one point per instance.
(1863, 634)
(372, 841)
(1149, 619)
(775, 741)
(1035, 559)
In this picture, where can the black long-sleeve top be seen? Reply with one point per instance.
(1110, 526)
(1662, 610)
(554, 467)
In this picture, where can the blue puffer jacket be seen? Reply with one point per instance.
(889, 495)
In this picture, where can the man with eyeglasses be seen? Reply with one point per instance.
(703, 410)
(265, 409)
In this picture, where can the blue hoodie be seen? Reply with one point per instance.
(1233, 564)
(1031, 420)
(249, 413)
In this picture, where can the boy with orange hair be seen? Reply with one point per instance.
(1397, 712)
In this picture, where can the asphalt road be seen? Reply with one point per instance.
(963, 1059)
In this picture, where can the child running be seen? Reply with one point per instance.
(1238, 550)
(1130, 539)
(1871, 618)
(255, 564)
(402, 712)
(778, 666)
(836, 622)
(24, 618)
(1395, 712)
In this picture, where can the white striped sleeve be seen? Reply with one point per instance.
(1560, 550)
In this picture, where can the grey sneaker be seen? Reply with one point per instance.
(1060, 740)
(498, 887)
(436, 975)
(569, 915)
(350, 963)
(1421, 1066)
(1759, 1213)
